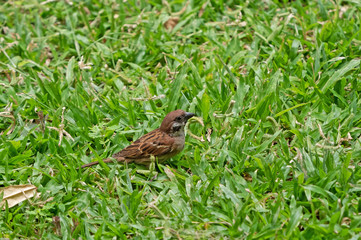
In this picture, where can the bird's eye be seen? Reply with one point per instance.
(178, 118)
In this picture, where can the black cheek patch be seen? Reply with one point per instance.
(176, 128)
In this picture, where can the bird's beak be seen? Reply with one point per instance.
(189, 115)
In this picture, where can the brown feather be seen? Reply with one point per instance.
(147, 145)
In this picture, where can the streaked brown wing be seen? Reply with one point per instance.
(154, 143)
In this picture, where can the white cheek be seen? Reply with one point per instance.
(176, 125)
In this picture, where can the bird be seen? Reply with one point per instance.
(161, 144)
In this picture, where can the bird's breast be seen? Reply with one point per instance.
(178, 144)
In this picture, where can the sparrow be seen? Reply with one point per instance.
(161, 143)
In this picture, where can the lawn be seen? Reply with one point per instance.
(276, 84)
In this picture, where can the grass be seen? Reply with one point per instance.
(277, 84)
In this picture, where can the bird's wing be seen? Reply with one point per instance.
(155, 143)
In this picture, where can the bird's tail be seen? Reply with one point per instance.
(107, 160)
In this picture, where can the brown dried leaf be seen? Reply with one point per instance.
(247, 177)
(56, 223)
(16, 194)
(9, 114)
(171, 23)
(201, 11)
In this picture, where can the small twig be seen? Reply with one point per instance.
(182, 10)
(41, 120)
(190, 133)
(330, 147)
(9, 114)
(321, 132)
(149, 98)
(83, 65)
(346, 139)
(223, 115)
(209, 132)
(61, 129)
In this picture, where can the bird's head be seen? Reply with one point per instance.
(173, 124)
